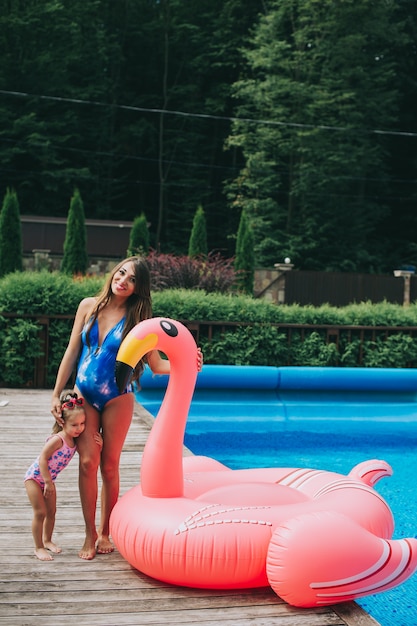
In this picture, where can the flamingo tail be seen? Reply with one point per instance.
(325, 558)
(369, 472)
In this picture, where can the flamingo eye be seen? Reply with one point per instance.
(169, 328)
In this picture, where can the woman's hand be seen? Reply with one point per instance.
(56, 410)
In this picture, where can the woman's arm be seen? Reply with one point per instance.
(159, 365)
(70, 357)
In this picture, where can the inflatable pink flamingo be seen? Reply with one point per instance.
(316, 537)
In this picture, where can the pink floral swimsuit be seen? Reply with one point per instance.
(56, 463)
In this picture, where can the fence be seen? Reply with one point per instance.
(334, 288)
(206, 330)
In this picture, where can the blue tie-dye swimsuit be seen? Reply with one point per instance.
(95, 376)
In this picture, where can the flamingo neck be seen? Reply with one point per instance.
(162, 469)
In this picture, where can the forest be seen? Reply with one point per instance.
(301, 113)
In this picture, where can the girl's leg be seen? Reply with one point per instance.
(115, 421)
(89, 453)
(37, 501)
(49, 524)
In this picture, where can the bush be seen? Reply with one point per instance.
(37, 294)
(211, 273)
(45, 292)
(254, 345)
(313, 351)
(394, 351)
(198, 305)
(248, 331)
(20, 346)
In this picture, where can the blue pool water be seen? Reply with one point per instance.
(339, 449)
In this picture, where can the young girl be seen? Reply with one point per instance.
(40, 478)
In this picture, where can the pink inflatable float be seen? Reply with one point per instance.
(315, 537)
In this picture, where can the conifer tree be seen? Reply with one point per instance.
(75, 259)
(139, 237)
(245, 257)
(312, 183)
(198, 239)
(11, 252)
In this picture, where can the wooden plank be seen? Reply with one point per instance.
(355, 615)
(159, 618)
(107, 590)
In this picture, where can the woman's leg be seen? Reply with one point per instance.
(115, 422)
(89, 453)
(37, 501)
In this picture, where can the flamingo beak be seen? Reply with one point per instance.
(123, 373)
(130, 353)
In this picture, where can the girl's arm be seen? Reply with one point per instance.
(98, 439)
(53, 444)
(70, 357)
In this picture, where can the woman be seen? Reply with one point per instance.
(99, 327)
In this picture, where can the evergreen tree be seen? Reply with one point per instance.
(245, 258)
(75, 260)
(321, 79)
(198, 239)
(10, 235)
(316, 79)
(139, 237)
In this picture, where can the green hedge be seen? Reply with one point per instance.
(37, 293)
(256, 342)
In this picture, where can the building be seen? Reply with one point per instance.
(43, 241)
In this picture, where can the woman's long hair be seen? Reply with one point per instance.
(138, 305)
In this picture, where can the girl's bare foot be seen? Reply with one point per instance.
(52, 547)
(104, 545)
(88, 551)
(43, 554)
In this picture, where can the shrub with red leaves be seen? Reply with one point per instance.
(211, 273)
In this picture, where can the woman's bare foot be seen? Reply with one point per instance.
(88, 551)
(43, 554)
(52, 547)
(104, 545)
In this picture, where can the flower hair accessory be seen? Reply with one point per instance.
(72, 403)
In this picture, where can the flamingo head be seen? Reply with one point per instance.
(157, 333)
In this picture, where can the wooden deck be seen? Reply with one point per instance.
(106, 591)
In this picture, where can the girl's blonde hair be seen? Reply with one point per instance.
(138, 306)
(70, 398)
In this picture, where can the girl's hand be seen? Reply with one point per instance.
(99, 440)
(49, 489)
(200, 360)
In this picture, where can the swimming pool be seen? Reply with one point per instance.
(334, 426)
(337, 452)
